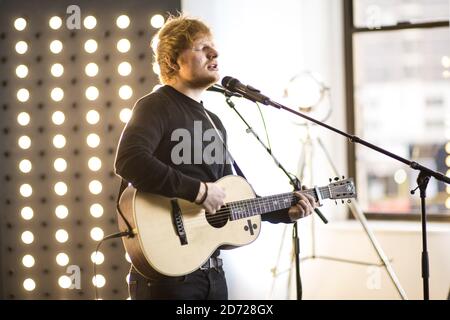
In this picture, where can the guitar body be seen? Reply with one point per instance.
(157, 246)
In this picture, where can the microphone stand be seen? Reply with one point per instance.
(295, 182)
(422, 181)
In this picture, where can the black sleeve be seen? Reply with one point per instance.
(279, 216)
(135, 161)
(227, 170)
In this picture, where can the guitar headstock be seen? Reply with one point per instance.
(342, 189)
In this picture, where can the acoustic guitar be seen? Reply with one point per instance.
(175, 237)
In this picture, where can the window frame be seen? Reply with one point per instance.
(349, 31)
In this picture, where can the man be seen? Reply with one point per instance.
(188, 64)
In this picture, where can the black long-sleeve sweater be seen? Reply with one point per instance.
(149, 155)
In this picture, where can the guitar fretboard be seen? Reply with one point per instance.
(251, 207)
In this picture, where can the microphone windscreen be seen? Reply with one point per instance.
(229, 82)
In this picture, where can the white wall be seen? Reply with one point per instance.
(264, 43)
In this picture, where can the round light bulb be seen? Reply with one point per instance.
(65, 282)
(90, 22)
(125, 115)
(57, 70)
(157, 21)
(60, 165)
(123, 21)
(56, 46)
(27, 213)
(60, 188)
(95, 187)
(21, 47)
(97, 257)
(61, 236)
(97, 234)
(55, 22)
(23, 95)
(99, 281)
(20, 24)
(92, 93)
(90, 46)
(94, 164)
(125, 92)
(96, 210)
(123, 45)
(26, 190)
(92, 117)
(57, 94)
(29, 284)
(61, 211)
(28, 261)
(124, 68)
(24, 142)
(91, 69)
(62, 259)
(58, 118)
(23, 118)
(93, 140)
(22, 71)
(27, 237)
(25, 166)
(59, 141)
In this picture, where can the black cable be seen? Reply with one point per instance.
(109, 237)
(265, 127)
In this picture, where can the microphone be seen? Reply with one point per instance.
(220, 89)
(234, 85)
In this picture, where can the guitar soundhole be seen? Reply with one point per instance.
(219, 219)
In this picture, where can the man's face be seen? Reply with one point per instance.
(198, 66)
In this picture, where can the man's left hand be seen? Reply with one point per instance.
(303, 208)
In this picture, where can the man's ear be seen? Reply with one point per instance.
(174, 65)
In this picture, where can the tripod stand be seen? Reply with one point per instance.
(306, 176)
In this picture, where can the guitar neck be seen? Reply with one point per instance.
(257, 206)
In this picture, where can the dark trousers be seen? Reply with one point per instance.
(207, 284)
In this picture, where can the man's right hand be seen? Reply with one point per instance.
(215, 198)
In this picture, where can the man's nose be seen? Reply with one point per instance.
(212, 54)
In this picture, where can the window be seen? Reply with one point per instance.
(398, 93)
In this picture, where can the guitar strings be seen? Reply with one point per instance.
(240, 204)
(228, 208)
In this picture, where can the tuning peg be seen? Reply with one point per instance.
(330, 179)
(342, 201)
(335, 201)
(349, 201)
(336, 178)
(343, 178)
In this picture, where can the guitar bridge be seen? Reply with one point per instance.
(178, 222)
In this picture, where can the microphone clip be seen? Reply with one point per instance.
(227, 93)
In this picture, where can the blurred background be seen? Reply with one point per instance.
(70, 74)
